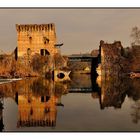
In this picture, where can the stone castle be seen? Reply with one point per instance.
(35, 39)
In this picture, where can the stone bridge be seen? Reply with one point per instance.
(81, 58)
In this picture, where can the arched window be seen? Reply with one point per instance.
(44, 52)
(28, 51)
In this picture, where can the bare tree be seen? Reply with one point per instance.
(59, 61)
(135, 34)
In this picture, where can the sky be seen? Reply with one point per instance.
(79, 29)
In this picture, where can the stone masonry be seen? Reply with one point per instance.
(36, 39)
(111, 58)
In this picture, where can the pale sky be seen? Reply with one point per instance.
(79, 29)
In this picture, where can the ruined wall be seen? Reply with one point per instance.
(116, 60)
(33, 38)
(112, 60)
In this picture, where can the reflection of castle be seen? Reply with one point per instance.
(37, 99)
(36, 111)
(36, 103)
(113, 92)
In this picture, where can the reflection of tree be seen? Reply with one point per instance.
(115, 90)
(134, 91)
(40, 87)
(134, 94)
(1, 114)
(136, 112)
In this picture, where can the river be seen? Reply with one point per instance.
(37, 104)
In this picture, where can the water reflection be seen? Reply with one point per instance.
(136, 112)
(39, 99)
(113, 92)
(1, 113)
(134, 93)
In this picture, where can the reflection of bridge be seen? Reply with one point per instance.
(80, 90)
(94, 60)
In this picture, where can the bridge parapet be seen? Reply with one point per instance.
(81, 58)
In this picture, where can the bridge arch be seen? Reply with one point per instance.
(60, 75)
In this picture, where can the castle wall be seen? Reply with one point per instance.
(111, 58)
(31, 38)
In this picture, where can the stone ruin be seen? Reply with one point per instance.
(36, 39)
(115, 61)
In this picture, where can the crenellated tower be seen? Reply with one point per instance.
(36, 39)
